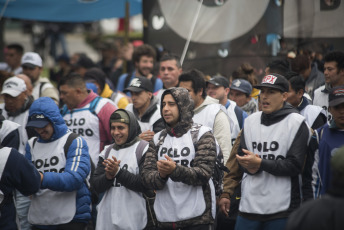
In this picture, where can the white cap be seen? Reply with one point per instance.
(31, 59)
(13, 86)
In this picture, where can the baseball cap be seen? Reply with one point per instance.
(275, 81)
(31, 60)
(336, 96)
(242, 85)
(37, 121)
(219, 81)
(138, 84)
(13, 86)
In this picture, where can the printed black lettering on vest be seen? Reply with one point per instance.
(185, 152)
(163, 151)
(265, 146)
(116, 183)
(48, 164)
(82, 132)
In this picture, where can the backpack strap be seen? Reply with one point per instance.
(139, 150)
(108, 151)
(41, 87)
(94, 104)
(194, 134)
(69, 141)
(161, 139)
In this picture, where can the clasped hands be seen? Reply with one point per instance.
(111, 167)
(166, 167)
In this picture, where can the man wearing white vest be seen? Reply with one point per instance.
(145, 107)
(117, 174)
(179, 172)
(334, 76)
(218, 88)
(63, 201)
(32, 67)
(272, 151)
(315, 115)
(208, 111)
(16, 172)
(86, 113)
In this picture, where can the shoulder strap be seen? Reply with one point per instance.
(40, 88)
(108, 151)
(239, 116)
(194, 134)
(69, 141)
(139, 150)
(34, 142)
(94, 104)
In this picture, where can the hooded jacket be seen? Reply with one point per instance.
(187, 177)
(72, 178)
(275, 162)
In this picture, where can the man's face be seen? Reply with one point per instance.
(239, 97)
(272, 99)
(32, 73)
(145, 65)
(14, 104)
(197, 97)
(169, 73)
(69, 96)
(141, 99)
(338, 115)
(218, 92)
(294, 98)
(119, 132)
(12, 58)
(333, 75)
(46, 132)
(170, 111)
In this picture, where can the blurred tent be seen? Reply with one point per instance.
(67, 10)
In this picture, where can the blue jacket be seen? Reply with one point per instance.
(69, 180)
(19, 174)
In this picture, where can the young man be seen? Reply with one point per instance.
(218, 88)
(86, 113)
(32, 67)
(178, 172)
(63, 201)
(13, 54)
(331, 137)
(16, 173)
(145, 107)
(208, 111)
(273, 147)
(315, 115)
(117, 174)
(169, 71)
(240, 92)
(143, 57)
(334, 76)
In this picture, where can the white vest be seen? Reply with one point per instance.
(51, 207)
(83, 122)
(21, 119)
(321, 99)
(178, 201)
(235, 128)
(7, 127)
(146, 125)
(264, 193)
(4, 154)
(37, 91)
(122, 208)
(311, 112)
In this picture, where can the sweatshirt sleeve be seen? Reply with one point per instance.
(222, 133)
(77, 168)
(295, 158)
(203, 166)
(22, 174)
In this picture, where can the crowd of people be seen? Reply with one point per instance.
(136, 142)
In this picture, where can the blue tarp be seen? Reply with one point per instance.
(68, 10)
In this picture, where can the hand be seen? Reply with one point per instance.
(111, 167)
(147, 135)
(166, 167)
(42, 176)
(249, 161)
(225, 205)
